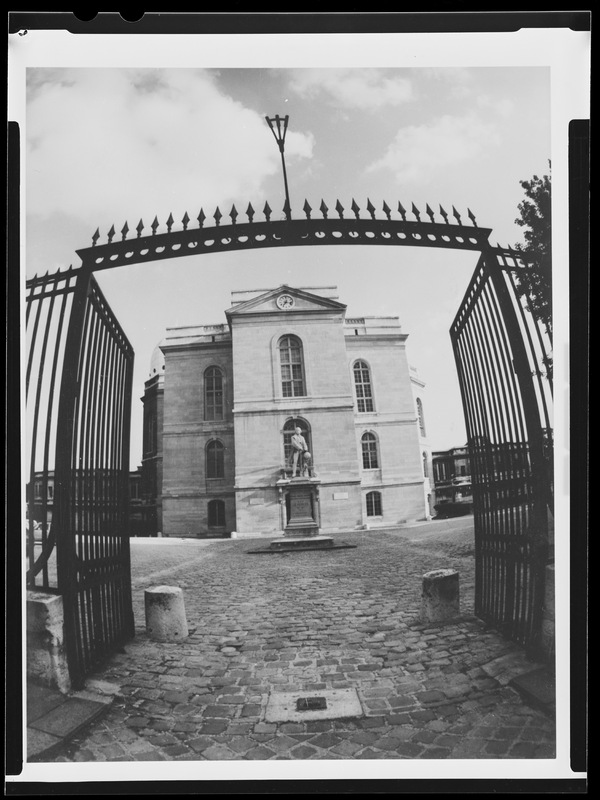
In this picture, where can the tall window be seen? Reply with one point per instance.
(369, 451)
(362, 386)
(213, 393)
(288, 431)
(292, 367)
(215, 461)
(374, 504)
(420, 416)
(425, 467)
(216, 514)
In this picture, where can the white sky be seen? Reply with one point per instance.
(109, 145)
(118, 128)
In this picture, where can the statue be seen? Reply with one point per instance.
(299, 448)
(307, 465)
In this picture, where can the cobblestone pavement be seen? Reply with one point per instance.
(312, 622)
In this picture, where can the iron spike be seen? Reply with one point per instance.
(371, 208)
(170, 222)
(444, 214)
(307, 209)
(387, 210)
(111, 234)
(355, 209)
(471, 216)
(287, 209)
(402, 210)
(124, 231)
(429, 212)
(323, 209)
(456, 215)
(340, 209)
(201, 217)
(217, 216)
(233, 214)
(416, 212)
(139, 228)
(185, 221)
(267, 212)
(154, 226)
(95, 237)
(250, 212)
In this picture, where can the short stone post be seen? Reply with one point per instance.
(46, 651)
(165, 614)
(441, 597)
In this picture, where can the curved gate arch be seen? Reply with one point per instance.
(502, 361)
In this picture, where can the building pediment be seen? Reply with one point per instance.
(285, 300)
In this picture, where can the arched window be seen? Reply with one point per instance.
(374, 504)
(292, 367)
(216, 514)
(369, 451)
(362, 387)
(420, 416)
(288, 431)
(425, 466)
(215, 461)
(213, 393)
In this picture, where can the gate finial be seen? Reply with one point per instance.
(185, 221)
(95, 237)
(267, 212)
(456, 215)
(250, 212)
(111, 234)
(471, 217)
(402, 210)
(170, 222)
(217, 216)
(154, 226)
(201, 217)
(416, 212)
(307, 209)
(371, 208)
(387, 210)
(323, 209)
(340, 209)
(429, 212)
(233, 214)
(444, 214)
(139, 228)
(124, 231)
(355, 209)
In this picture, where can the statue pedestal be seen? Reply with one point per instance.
(301, 499)
(303, 507)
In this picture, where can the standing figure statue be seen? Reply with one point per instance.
(299, 447)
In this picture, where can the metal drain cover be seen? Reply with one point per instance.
(300, 706)
(310, 703)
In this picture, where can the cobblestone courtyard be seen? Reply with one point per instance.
(313, 622)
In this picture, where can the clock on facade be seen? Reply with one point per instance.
(285, 301)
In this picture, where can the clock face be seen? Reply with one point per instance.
(285, 301)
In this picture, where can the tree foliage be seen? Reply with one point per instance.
(535, 281)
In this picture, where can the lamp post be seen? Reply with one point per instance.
(278, 126)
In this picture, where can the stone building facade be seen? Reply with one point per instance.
(232, 395)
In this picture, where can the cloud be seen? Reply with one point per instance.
(106, 145)
(420, 151)
(364, 89)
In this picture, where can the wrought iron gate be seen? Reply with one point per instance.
(81, 364)
(504, 371)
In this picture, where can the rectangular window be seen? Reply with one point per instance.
(374, 504)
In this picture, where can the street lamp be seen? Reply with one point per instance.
(278, 126)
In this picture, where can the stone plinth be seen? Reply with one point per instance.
(303, 504)
(46, 653)
(165, 614)
(440, 600)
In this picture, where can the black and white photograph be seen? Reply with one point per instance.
(294, 399)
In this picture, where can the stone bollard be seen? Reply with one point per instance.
(165, 614)
(441, 597)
